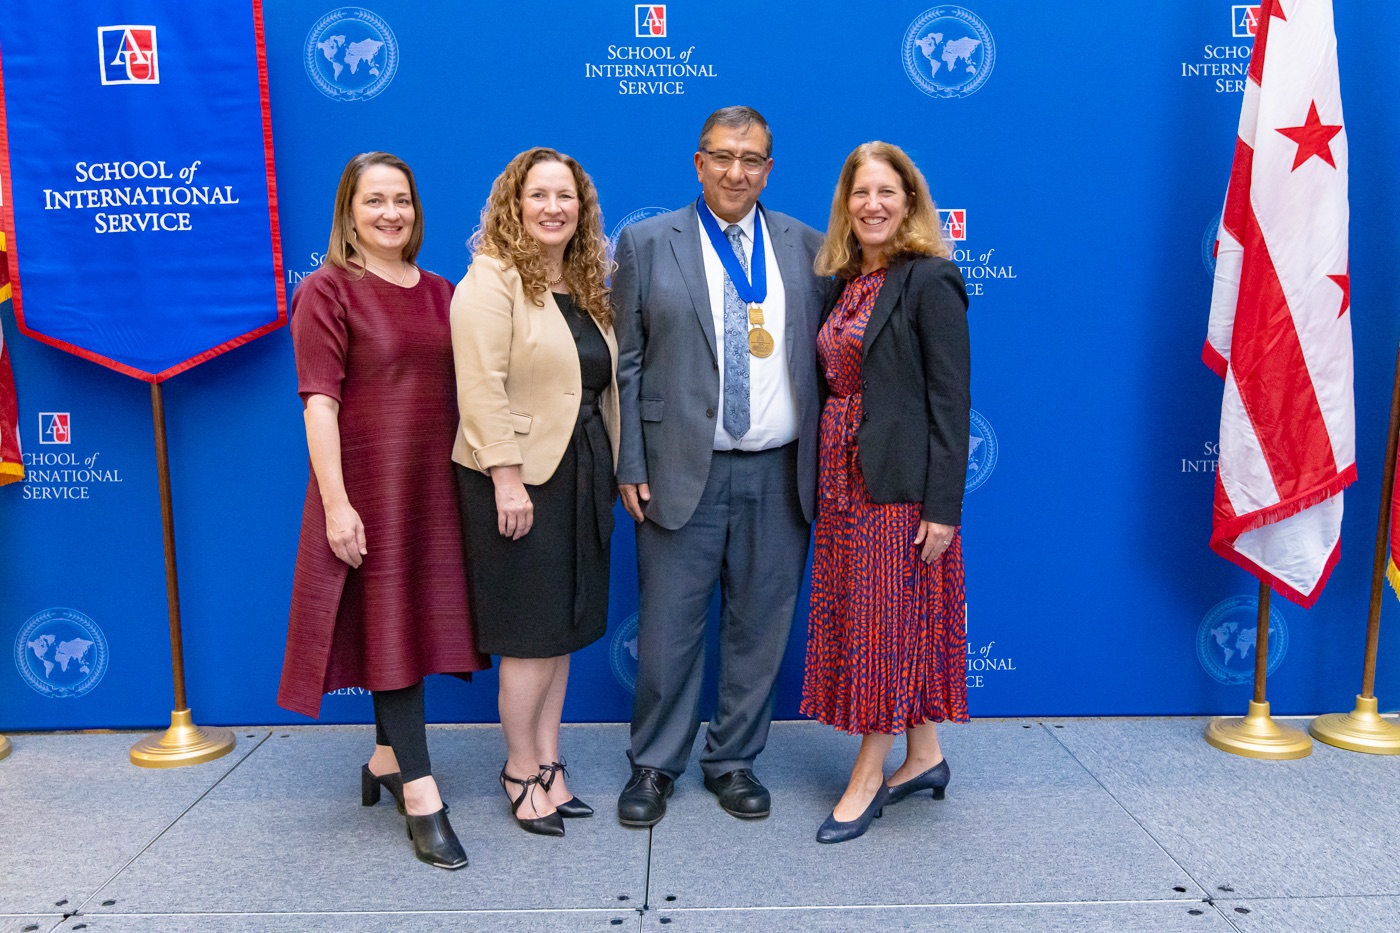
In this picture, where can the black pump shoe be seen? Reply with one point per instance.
(935, 779)
(571, 809)
(371, 782)
(551, 825)
(833, 830)
(434, 841)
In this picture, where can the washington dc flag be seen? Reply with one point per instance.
(1280, 327)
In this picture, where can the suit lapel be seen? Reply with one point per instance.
(795, 277)
(685, 243)
(885, 303)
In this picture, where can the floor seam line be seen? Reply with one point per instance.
(1132, 816)
(156, 838)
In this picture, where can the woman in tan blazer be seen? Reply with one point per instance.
(535, 453)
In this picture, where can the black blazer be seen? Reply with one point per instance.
(916, 378)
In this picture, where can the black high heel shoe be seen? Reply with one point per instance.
(434, 841)
(551, 825)
(571, 809)
(935, 778)
(371, 782)
(833, 830)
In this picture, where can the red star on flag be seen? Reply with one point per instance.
(1344, 283)
(1314, 138)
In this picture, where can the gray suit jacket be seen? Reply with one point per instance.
(668, 363)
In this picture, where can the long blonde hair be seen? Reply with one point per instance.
(342, 245)
(502, 235)
(918, 234)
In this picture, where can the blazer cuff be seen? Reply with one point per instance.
(942, 513)
(504, 453)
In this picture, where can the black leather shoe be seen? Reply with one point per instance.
(741, 794)
(571, 809)
(371, 782)
(551, 824)
(833, 830)
(434, 841)
(643, 800)
(935, 778)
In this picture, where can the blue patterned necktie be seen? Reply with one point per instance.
(736, 347)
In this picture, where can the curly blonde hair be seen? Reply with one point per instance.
(919, 234)
(502, 235)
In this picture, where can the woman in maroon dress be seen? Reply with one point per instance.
(888, 628)
(380, 598)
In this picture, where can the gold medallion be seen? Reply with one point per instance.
(760, 343)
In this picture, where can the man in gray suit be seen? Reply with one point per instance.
(716, 312)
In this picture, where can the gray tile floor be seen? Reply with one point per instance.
(1074, 825)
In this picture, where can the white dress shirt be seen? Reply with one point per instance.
(772, 399)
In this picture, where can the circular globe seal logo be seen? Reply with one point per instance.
(61, 653)
(1208, 243)
(1226, 639)
(981, 451)
(948, 52)
(351, 54)
(641, 213)
(623, 653)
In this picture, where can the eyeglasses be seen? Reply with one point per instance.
(722, 160)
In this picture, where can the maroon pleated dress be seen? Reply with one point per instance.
(385, 353)
(887, 639)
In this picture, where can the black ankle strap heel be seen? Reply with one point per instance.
(551, 825)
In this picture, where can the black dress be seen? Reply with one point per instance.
(546, 594)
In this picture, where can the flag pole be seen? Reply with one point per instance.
(1257, 735)
(1363, 729)
(183, 743)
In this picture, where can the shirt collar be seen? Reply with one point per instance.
(745, 223)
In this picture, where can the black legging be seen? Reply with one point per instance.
(399, 723)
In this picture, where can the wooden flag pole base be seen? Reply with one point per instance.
(5, 748)
(1361, 730)
(1258, 736)
(183, 743)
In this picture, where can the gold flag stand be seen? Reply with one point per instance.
(1363, 729)
(5, 748)
(1257, 735)
(183, 743)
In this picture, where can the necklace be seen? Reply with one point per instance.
(556, 280)
(408, 267)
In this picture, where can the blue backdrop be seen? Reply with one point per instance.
(1088, 149)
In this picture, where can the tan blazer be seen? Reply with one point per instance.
(518, 377)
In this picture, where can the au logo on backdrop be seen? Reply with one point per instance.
(982, 450)
(1224, 58)
(1245, 20)
(948, 52)
(954, 220)
(61, 653)
(1225, 639)
(351, 54)
(128, 55)
(651, 21)
(55, 427)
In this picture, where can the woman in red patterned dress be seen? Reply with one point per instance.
(379, 598)
(888, 629)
